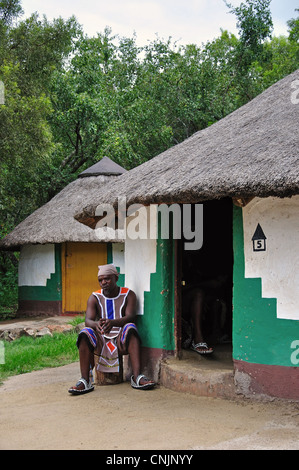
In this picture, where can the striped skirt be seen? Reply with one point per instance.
(109, 354)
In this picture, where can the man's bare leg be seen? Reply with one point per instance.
(197, 307)
(134, 353)
(86, 359)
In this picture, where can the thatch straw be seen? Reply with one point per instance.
(54, 222)
(251, 152)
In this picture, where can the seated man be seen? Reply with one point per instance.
(109, 331)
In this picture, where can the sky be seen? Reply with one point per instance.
(185, 21)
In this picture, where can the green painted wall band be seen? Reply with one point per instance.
(53, 289)
(258, 335)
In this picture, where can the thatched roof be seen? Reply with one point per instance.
(54, 222)
(251, 152)
(103, 167)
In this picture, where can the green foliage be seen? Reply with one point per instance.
(9, 11)
(72, 99)
(8, 288)
(293, 25)
(254, 22)
(30, 53)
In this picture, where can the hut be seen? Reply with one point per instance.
(58, 255)
(242, 175)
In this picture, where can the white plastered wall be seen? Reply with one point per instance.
(140, 252)
(36, 264)
(278, 265)
(118, 256)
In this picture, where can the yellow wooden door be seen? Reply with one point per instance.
(80, 263)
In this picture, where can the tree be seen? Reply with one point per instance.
(9, 11)
(254, 23)
(293, 25)
(101, 107)
(280, 57)
(30, 52)
(71, 99)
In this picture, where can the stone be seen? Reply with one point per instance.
(27, 332)
(8, 335)
(60, 328)
(43, 332)
(79, 327)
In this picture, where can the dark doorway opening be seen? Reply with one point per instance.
(208, 274)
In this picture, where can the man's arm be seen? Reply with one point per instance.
(91, 314)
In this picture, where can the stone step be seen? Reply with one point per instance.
(208, 376)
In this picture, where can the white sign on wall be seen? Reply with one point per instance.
(259, 239)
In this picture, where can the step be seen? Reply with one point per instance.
(208, 376)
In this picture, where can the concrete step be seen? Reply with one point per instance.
(208, 376)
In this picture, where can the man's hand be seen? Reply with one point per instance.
(105, 325)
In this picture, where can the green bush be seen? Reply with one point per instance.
(8, 287)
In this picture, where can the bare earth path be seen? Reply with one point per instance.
(38, 413)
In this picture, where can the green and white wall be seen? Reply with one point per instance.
(266, 297)
(147, 267)
(39, 280)
(265, 294)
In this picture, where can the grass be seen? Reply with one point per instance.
(27, 354)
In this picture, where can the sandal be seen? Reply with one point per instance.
(204, 348)
(137, 384)
(88, 387)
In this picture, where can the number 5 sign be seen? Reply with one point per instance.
(259, 239)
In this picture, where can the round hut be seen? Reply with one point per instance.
(58, 255)
(244, 171)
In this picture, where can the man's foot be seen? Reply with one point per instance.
(201, 348)
(142, 382)
(81, 387)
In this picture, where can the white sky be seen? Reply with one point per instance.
(186, 21)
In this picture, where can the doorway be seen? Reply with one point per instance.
(208, 270)
(79, 262)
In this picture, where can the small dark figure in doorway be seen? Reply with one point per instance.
(203, 304)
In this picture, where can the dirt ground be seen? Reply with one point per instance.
(37, 413)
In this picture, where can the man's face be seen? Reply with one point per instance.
(107, 282)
